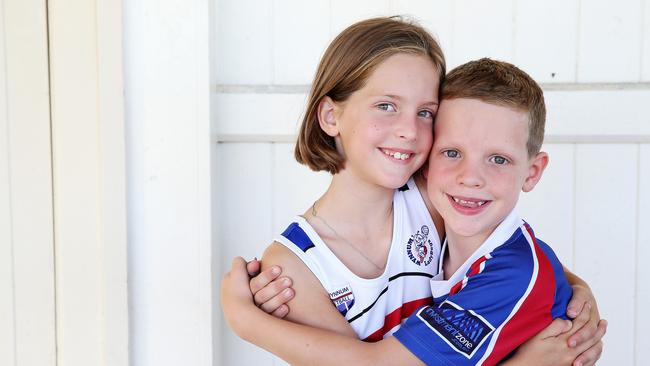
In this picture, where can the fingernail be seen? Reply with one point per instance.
(287, 293)
(572, 343)
(286, 282)
(275, 270)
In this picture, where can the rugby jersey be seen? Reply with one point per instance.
(506, 292)
(376, 307)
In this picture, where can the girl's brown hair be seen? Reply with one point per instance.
(344, 68)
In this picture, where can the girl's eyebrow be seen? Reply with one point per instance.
(397, 97)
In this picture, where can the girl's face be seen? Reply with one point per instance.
(384, 130)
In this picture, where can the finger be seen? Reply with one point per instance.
(271, 290)
(575, 307)
(585, 331)
(281, 312)
(276, 302)
(264, 278)
(591, 349)
(253, 267)
(589, 357)
(557, 327)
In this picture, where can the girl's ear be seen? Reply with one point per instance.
(327, 116)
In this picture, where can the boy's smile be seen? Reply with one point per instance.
(478, 165)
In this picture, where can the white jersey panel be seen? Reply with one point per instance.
(376, 307)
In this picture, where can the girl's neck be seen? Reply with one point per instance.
(355, 219)
(352, 200)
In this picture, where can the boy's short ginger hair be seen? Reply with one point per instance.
(345, 67)
(503, 84)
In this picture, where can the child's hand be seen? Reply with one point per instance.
(550, 346)
(583, 301)
(270, 292)
(236, 297)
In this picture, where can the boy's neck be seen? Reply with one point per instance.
(459, 249)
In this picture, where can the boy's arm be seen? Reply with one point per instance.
(296, 343)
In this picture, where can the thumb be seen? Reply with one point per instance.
(238, 265)
(557, 327)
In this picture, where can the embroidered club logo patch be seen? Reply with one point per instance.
(419, 247)
(343, 299)
(463, 330)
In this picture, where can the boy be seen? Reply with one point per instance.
(498, 285)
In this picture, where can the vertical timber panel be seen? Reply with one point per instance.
(7, 311)
(27, 147)
(606, 206)
(245, 216)
(642, 320)
(88, 175)
(75, 158)
(296, 187)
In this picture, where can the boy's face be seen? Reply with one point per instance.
(478, 165)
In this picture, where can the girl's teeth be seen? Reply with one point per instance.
(397, 155)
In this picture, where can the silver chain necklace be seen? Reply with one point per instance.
(314, 214)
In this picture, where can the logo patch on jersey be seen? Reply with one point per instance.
(420, 248)
(343, 299)
(463, 330)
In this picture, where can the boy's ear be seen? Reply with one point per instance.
(327, 109)
(535, 170)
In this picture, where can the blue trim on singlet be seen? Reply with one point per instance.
(297, 236)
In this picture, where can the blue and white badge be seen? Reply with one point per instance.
(343, 299)
(420, 248)
(463, 330)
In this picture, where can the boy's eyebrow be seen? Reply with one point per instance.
(432, 102)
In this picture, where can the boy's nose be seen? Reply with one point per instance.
(470, 175)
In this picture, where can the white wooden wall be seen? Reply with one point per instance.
(593, 59)
(63, 285)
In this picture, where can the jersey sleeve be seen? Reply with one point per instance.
(497, 306)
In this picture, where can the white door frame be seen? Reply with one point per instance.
(89, 181)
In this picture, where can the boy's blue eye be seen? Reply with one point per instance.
(386, 107)
(426, 114)
(500, 160)
(451, 153)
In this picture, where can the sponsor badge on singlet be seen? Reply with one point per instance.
(343, 299)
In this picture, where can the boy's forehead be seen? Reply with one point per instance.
(475, 108)
(465, 117)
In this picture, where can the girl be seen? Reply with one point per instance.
(370, 243)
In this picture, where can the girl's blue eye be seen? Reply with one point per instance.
(386, 107)
(451, 153)
(499, 160)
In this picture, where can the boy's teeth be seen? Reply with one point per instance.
(469, 203)
(397, 155)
